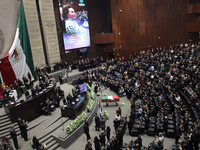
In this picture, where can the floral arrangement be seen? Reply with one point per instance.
(92, 94)
(105, 114)
(98, 93)
(90, 105)
(122, 104)
(88, 87)
(81, 118)
(76, 122)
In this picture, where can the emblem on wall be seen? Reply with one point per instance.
(1, 41)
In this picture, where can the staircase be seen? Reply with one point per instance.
(5, 124)
(50, 142)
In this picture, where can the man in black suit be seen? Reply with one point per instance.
(13, 135)
(70, 98)
(60, 78)
(25, 80)
(49, 105)
(42, 85)
(29, 76)
(19, 122)
(5, 91)
(58, 98)
(97, 122)
(102, 138)
(24, 129)
(6, 99)
(33, 91)
(36, 143)
(20, 82)
(60, 92)
(15, 85)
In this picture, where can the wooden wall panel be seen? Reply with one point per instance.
(193, 27)
(104, 38)
(142, 22)
(193, 8)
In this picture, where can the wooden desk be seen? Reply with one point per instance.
(30, 109)
(110, 99)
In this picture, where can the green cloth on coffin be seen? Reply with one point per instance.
(105, 97)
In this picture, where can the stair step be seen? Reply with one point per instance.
(3, 115)
(56, 146)
(7, 131)
(4, 127)
(6, 118)
(7, 134)
(52, 144)
(5, 121)
(5, 124)
(47, 140)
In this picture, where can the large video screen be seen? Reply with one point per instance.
(74, 23)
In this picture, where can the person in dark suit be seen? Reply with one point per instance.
(19, 122)
(158, 146)
(118, 111)
(5, 91)
(103, 123)
(97, 122)
(36, 143)
(70, 98)
(88, 146)
(119, 136)
(33, 91)
(86, 130)
(13, 135)
(60, 92)
(60, 78)
(49, 105)
(108, 133)
(38, 89)
(25, 80)
(96, 143)
(43, 147)
(20, 82)
(29, 76)
(116, 123)
(15, 85)
(102, 139)
(24, 129)
(165, 124)
(6, 99)
(42, 85)
(58, 98)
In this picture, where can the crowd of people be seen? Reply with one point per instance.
(64, 65)
(18, 85)
(162, 86)
(44, 81)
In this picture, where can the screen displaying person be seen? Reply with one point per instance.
(75, 26)
(71, 26)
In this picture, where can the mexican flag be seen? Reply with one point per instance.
(113, 97)
(18, 61)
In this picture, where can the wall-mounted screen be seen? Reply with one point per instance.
(74, 23)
